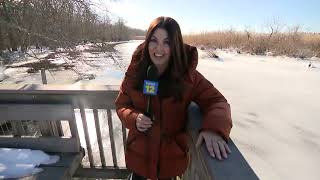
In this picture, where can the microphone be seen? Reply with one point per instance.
(150, 88)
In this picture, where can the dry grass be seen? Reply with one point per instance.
(293, 44)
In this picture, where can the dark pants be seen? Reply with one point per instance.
(135, 176)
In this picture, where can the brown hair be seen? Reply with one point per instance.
(178, 63)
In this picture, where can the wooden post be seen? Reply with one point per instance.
(56, 128)
(124, 138)
(99, 137)
(86, 133)
(113, 146)
(43, 76)
(45, 127)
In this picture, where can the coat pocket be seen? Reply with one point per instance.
(137, 144)
(182, 140)
(131, 139)
(175, 147)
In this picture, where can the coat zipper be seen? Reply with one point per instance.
(160, 118)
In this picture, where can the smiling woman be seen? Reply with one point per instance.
(157, 145)
(159, 49)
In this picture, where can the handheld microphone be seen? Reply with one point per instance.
(150, 88)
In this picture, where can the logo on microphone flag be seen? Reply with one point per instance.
(150, 87)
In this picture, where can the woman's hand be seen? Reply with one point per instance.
(143, 122)
(216, 145)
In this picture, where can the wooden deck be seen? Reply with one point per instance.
(68, 149)
(97, 99)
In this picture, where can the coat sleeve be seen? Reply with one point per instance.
(124, 106)
(213, 105)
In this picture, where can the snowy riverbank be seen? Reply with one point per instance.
(274, 100)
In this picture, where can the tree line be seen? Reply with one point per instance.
(56, 23)
(293, 42)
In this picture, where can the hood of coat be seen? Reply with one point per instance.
(192, 55)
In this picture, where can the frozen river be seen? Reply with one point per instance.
(275, 104)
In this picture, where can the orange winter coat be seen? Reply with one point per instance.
(163, 151)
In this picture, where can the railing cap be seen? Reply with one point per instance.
(57, 89)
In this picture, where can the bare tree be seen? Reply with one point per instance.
(55, 23)
(274, 27)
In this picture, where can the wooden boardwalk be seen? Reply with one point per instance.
(67, 102)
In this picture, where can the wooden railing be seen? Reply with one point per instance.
(203, 166)
(64, 145)
(91, 105)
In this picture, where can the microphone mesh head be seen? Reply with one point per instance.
(152, 73)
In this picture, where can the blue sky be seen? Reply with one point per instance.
(212, 15)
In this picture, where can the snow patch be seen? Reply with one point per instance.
(15, 163)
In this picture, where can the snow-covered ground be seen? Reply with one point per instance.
(274, 100)
(90, 66)
(276, 110)
(15, 163)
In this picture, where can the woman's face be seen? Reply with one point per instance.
(159, 49)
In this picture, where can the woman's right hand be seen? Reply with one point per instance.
(143, 123)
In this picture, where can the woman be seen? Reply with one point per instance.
(157, 147)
